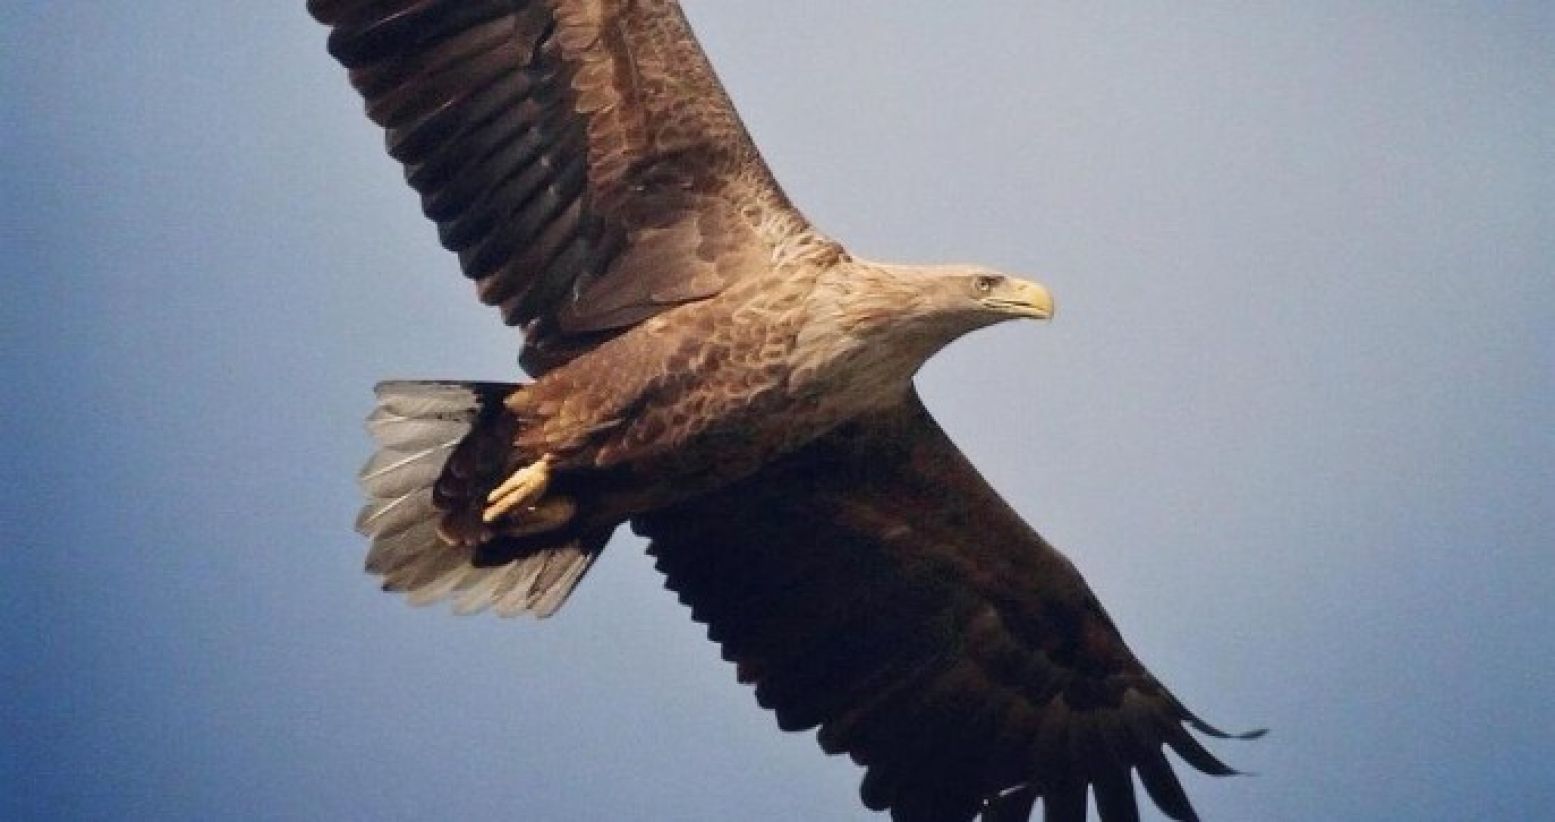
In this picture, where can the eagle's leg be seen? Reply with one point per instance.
(523, 497)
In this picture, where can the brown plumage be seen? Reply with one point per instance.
(713, 370)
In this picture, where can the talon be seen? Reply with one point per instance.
(546, 515)
(524, 488)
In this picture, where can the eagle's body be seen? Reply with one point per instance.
(713, 370)
(698, 371)
(740, 378)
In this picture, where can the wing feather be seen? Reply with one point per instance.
(874, 587)
(549, 138)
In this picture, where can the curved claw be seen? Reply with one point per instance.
(546, 515)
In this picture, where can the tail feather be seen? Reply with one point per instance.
(387, 517)
(419, 427)
(392, 474)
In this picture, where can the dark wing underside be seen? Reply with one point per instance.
(580, 156)
(875, 586)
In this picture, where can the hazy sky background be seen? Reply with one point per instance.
(1295, 419)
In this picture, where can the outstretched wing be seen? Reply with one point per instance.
(873, 585)
(580, 156)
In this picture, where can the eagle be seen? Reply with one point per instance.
(706, 365)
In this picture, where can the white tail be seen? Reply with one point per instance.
(418, 426)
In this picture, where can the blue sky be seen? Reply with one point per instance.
(1295, 419)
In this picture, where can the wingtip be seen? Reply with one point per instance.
(1210, 730)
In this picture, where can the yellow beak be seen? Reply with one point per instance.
(1025, 299)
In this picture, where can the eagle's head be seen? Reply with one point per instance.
(935, 304)
(887, 320)
(992, 297)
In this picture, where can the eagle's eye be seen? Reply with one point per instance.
(984, 285)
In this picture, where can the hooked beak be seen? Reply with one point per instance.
(1022, 298)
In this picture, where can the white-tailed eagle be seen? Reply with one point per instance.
(711, 369)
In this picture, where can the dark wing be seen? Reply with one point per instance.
(873, 585)
(580, 156)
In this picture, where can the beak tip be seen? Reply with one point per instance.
(1042, 303)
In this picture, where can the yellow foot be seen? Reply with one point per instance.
(523, 489)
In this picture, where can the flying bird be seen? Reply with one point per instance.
(710, 368)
